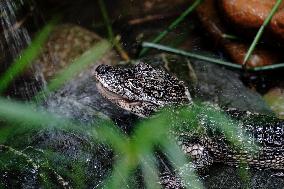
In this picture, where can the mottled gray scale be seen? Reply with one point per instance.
(267, 131)
(268, 134)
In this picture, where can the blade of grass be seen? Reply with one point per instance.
(111, 135)
(16, 152)
(27, 116)
(180, 163)
(120, 174)
(209, 59)
(268, 67)
(16, 112)
(189, 54)
(172, 26)
(26, 57)
(106, 19)
(229, 127)
(113, 40)
(260, 31)
(149, 170)
(143, 138)
(244, 174)
(230, 36)
(79, 64)
(160, 125)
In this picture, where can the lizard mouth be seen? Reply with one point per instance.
(135, 107)
(124, 103)
(108, 94)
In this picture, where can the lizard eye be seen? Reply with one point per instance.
(142, 66)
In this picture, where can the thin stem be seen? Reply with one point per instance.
(230, 36)
(173, 25)
(260, 31)
(189, 54)
(268, 67)
(113, 39)
(209, 59)
(106, 19)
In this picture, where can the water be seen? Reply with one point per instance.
(15, 35)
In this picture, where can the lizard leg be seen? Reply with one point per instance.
(198, 154)
(169, 180)
(200, 160)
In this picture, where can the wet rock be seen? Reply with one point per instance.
(277, 23)
(223, 177)
(73, 155)
(260, 57)
(16, 172)
(62, 157)
(251, 14)
(208, 15)
(66, 43)
(226, 89)
(275, 99)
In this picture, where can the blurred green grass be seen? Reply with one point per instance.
(135, 150)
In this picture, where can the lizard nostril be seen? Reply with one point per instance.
(102, 69)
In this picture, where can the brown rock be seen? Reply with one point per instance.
(208, 15)
(251, 14)
(66, 43)
(260, 57)
(277, 24)
(275, 100)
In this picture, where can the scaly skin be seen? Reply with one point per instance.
(143, 90)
